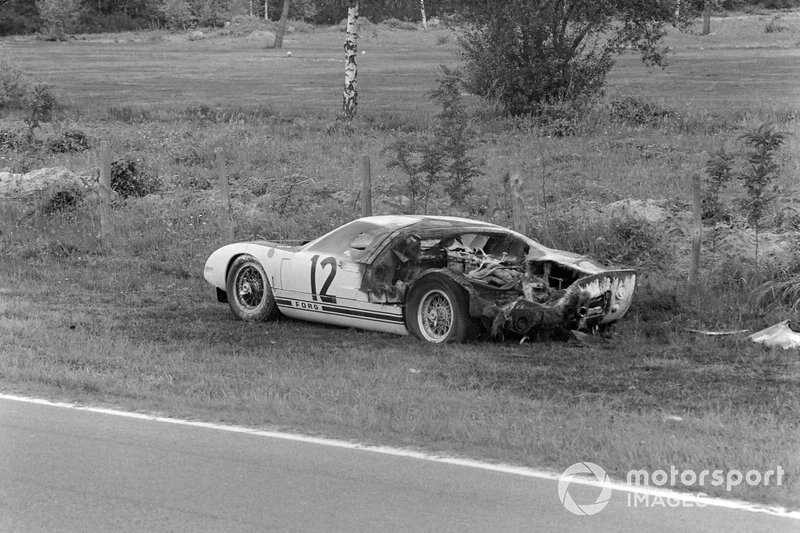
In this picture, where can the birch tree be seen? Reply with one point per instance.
(422, 12)
(281, 29)
(350, 95)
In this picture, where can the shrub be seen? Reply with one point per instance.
(638, 112)
(9, 141)
(40, 104)
(71, 141)
(719, 172)
(13, 84)
(619, 240)
(439, 158)
(759, 172)
(62, 201)
(128, 181)
(525, 53)
(774, 26)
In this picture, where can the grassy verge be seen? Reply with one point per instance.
(132, 333)
(133, 325)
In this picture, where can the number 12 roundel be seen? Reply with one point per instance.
(323, 293)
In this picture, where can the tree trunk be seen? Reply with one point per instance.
(350, 96)
(266, 10)
(424, 19)
(706, 17)
(282, 25)
(251, 8)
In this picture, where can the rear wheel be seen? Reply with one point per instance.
(249, 292)
(437, 311)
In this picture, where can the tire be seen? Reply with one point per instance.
(249, 292)
(437, 311)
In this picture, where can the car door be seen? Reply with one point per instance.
(326, 287)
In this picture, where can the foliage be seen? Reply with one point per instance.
(9, 141)
(760, 170)
(59, 17)
(13, 83)
(40, 104)
(62, 201)
(439, 158)
(774, 26)
(69, 142)
(453, 137)
(177, 13)
(622, 240)
(719, 172)
(129, 181)
(526, 53)
(638, 112)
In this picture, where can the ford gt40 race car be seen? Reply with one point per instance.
(444, 279)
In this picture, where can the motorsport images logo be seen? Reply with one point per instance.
(583, 470)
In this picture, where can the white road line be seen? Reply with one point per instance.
(401, 452)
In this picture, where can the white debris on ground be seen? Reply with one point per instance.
(42, 183)
(778, 335)
(47, 189)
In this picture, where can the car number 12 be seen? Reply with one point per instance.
(323, 293)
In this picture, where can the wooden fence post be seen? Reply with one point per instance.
(517, 201)
(366, 186)
(105, 192)
(697, 234)
(227, 216)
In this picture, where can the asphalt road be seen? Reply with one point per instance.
(74, 470)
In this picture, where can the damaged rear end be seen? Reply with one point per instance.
(514, 283)
(590, 304)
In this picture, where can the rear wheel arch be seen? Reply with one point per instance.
(437, 310)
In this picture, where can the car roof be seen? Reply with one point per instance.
(426, 221)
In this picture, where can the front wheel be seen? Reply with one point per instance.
(437, 311)
(249, 292)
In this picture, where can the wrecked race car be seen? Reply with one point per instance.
(443, 279)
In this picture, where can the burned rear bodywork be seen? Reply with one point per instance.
(514, 283)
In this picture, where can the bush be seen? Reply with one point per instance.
(13, 84)
(62, 201)
(129, 182)
(719, 172)
(774, 26)
(617, 241)
(526, 53)
(71, 141)
(439, 160)
(40, 103)
(9, 141)
(638, 112)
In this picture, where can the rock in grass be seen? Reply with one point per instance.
(48, 189)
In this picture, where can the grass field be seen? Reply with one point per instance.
(134, 325)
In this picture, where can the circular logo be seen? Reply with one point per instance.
(583, 469)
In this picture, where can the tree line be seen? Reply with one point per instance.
(94, 16)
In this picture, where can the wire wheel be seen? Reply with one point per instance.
(249, 287)
(249, 292)
(435, 316)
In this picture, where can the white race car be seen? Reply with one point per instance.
(444, 279)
